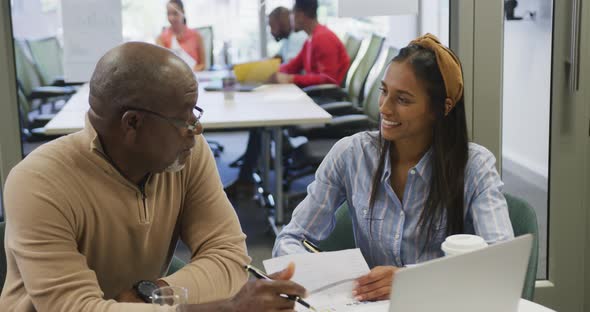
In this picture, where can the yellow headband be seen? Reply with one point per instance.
(448, 64)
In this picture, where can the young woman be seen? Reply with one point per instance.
(411, 184)
(185, 42)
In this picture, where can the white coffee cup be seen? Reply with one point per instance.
(462, 243)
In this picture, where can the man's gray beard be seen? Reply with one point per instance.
(175, 166)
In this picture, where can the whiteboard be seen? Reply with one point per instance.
(358, 8)
(90, 28)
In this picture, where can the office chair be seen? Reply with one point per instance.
(207, 35)
(306, 158)
(524, 221)
(32, 127)
(329, 93)
(342, 236)
(30, 81)
(352, 46)
(47, 55)
(175, 265)
(344, 125)
(522, 216)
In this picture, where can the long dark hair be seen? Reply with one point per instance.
(180, 6)
(449, 150)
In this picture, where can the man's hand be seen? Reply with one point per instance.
(282, 78)
(263, 295)
(376, 285)
(130, 295)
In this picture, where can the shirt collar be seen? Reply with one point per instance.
(95, 148)
(91, 135)
(317, 29)
(423, 167)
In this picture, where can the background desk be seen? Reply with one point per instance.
(270, 107)
(267, 106)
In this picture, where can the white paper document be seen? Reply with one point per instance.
(329, 278)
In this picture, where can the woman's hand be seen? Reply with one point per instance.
(376, 285)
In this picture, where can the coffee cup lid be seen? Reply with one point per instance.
(461, 243)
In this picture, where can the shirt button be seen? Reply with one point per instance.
(396, 236)
(365, 212)
(413, 171)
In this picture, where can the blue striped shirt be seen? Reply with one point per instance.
(390, 235)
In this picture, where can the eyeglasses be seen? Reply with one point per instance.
(179, 123)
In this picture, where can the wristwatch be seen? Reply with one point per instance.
(144, 290)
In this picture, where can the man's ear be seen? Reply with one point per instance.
(448, 106)
(131, 121)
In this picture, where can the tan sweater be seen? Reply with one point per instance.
(78, 233)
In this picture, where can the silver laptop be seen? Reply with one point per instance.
(486, 280)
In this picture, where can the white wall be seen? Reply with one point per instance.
(402, 30)
(434, 18)
(30, 22)
(527, 85)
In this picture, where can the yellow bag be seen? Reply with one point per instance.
(257, 71)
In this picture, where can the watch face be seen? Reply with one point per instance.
(145, 288)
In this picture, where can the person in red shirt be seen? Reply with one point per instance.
(323, 58)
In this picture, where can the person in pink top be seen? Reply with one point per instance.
(323, 58)
(185, 42)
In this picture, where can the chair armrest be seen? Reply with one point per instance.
(337, 128)
(356, 120)
(326, 91)
(61, 82)
(320, 87)
(341, 108)
(51, 91)
(336, 105)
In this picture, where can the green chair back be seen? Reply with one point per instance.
(207, 35)
(26, 73)
(2, 257)
(361, 72)
(342, 237)
(522, 217)
(175, 265)
(23, 103)
(371, 103)
(352, 45)
(524, 221)
(47, 55)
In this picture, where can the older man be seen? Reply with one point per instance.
(93, 218)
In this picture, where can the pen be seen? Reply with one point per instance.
(260, 275)
(311, 247)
